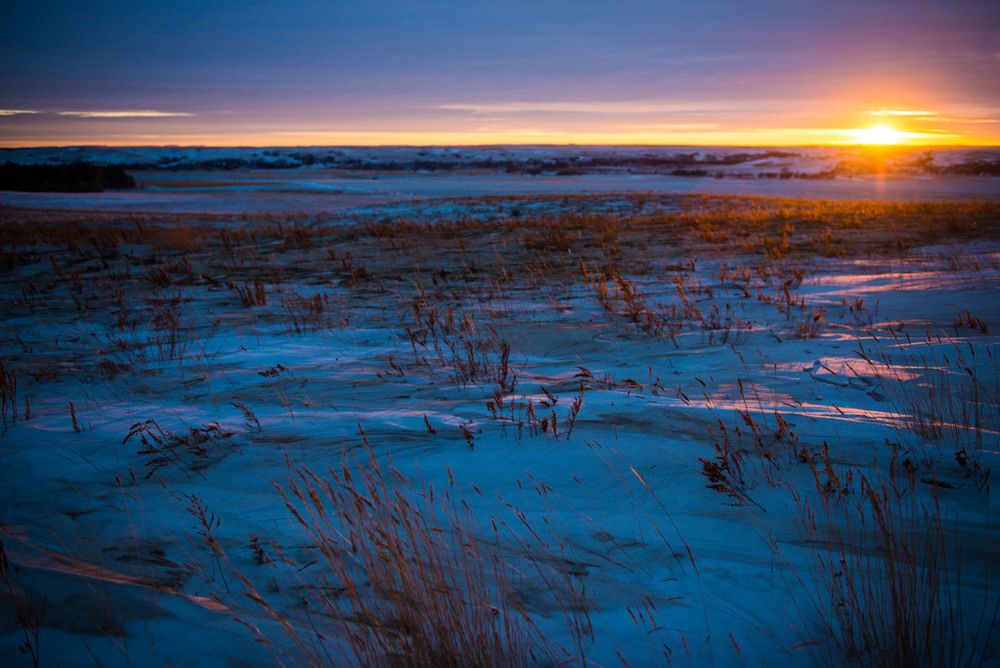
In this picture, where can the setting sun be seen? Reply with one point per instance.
(879, 134)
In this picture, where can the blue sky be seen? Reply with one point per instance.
(312, 72)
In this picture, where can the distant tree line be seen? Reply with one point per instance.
(88, 177)
(433, 163)
(969, 168)
(75, 177)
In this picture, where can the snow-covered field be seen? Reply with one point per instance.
(251, 181)
(597, 428)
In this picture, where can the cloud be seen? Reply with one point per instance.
(900, 112)
(935, 117)
(138, 113)
(672, 127)
(581, 107)
(944, 119)
(123, 114)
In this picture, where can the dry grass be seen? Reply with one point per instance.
(251, 293)
(942, 391)
(26, 616)
(888, 579)
(455, 344)
(304, 313)
(190, 452)
(8, 398)
(777, 227)
(399, 573)
(404, 575)
(168, 333)
(753, 442)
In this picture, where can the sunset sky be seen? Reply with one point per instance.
(519, 71)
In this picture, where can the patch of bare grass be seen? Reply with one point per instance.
(8, 397)
(404, 576)
(942, 391)
(191, 452)
(889, 589)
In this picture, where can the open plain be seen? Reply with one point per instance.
(571, 425)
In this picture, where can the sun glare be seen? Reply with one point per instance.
(879, 134)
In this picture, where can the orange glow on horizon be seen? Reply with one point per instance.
(911, 129)
(761, 138)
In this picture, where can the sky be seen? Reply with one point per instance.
(288, 73)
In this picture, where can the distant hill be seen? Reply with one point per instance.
(810, 162)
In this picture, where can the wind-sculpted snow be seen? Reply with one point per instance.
(580, 429)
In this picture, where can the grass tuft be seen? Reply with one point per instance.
(401, 572)
(944, 394)
(888, 578)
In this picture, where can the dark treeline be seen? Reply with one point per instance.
(693, 164)
(970, 168)
(76, 177)
(430, 163)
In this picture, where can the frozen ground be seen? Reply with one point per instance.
(666, 428)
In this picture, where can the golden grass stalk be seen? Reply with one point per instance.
(888, 581)
(402, 575)
(939, 392)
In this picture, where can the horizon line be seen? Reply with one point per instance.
(900, 145)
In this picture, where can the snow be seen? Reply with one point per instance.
(327, 179)
(612, 512)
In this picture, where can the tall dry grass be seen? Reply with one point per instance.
(26, 617)
(8, 398)
(888, 581)
(943, 391)
(403, 573)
